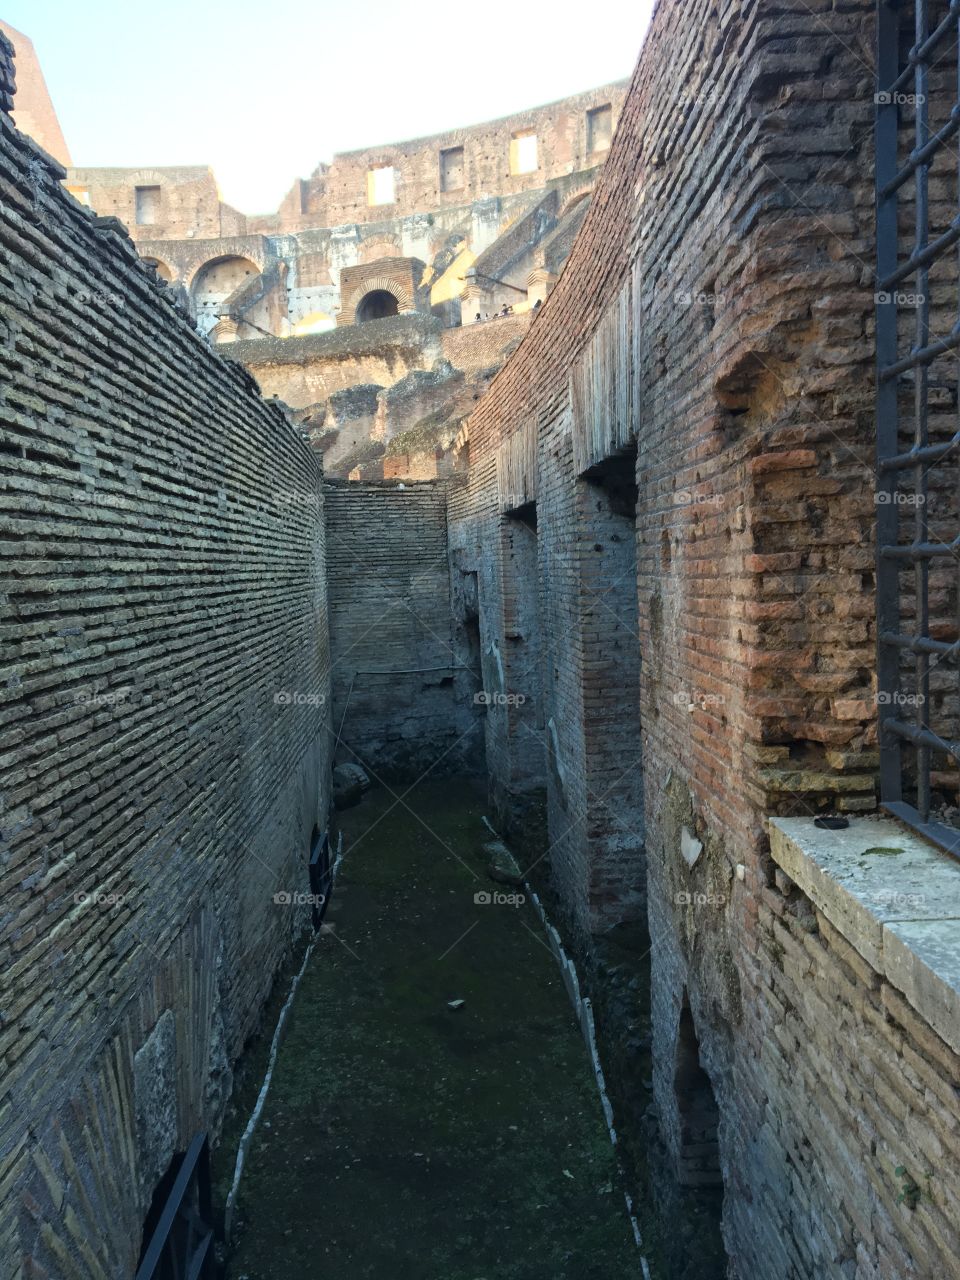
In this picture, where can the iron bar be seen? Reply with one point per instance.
(932, 453)
(923, 738)
(921, 357)
(925, 153)
(906, 734)
(943, 649)
(922, 258)
(921, 52)
(917, 552)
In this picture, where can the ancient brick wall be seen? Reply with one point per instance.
(717, 310)
(187, 204)
(563, 147)
(164, 718)
(403, 692)
(473, 347)
(308, 370)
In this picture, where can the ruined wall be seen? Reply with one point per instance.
(339, 193)
(187, 202)
(716, 313)
(308, 370)
(164, 718)
(402, 696)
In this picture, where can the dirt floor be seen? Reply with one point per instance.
(403, 1138)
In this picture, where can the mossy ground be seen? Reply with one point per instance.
(402, 1139)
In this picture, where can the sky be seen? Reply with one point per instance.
(263, 91)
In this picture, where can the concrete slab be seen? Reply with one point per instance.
(893, 896)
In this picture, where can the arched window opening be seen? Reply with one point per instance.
(214, 283)
(377, 305)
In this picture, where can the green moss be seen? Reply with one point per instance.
(406, 1138)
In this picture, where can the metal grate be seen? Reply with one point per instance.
(918, 431)
(181, 1244)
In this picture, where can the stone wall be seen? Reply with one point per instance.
(308, 370)
(165, 744)
(187, 203)
(481, 345)
(338, 193)
(712, 333)
(403, 690)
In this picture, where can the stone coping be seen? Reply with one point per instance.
(894, 897)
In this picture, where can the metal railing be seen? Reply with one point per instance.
(181, 1247)
(917, 443)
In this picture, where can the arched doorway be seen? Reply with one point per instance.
(376, 305)
(214, 283)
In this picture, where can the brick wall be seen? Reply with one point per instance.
(308, 370)
(402, 694)
(717, 309)
(164, 745)
(473, 347)
(339, 190)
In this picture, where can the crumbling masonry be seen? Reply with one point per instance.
(644, 604)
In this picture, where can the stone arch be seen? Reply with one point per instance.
(214, 282)
(376, 304)
(164, 270)
(379, 284)
(573, 199)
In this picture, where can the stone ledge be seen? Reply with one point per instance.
(893, 897)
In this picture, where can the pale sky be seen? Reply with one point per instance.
(262, 91)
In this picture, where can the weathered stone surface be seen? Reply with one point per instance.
(155, 1099)
(349, 784)
(502, 865)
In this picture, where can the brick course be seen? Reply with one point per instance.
(164, 747)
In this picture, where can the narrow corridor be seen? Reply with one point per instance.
(405, 1139)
